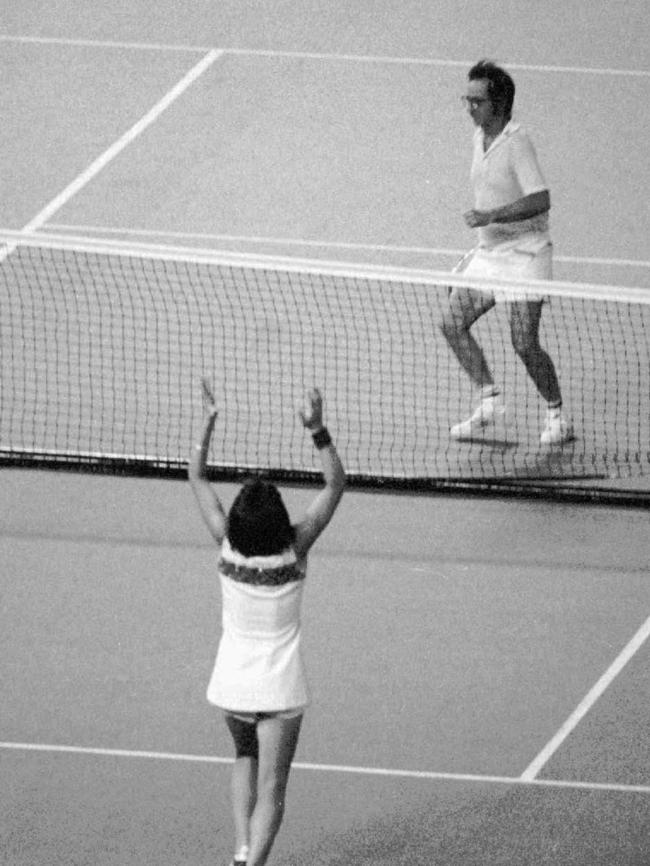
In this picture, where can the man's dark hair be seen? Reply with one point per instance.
(501, 87)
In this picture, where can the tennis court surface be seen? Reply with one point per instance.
(272, 196)
(479, 672)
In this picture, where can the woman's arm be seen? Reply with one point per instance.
(320, 511)
(208, 501)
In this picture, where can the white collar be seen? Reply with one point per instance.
(509, 129)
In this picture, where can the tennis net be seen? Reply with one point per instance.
(102, 348)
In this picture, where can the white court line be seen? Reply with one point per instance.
(330, 768)
(117, 147)
(324, 244)
(329, 56)
(433, 61)
(105, 43)
(531, 772)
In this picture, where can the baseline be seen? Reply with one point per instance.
(329, 56)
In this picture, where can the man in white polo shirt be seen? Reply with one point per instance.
(511, 205)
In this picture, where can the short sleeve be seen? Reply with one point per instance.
(525, 164)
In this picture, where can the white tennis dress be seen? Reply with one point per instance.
(259, 667)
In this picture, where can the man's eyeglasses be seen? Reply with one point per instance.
(473, 101)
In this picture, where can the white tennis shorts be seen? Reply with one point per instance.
(525, 260)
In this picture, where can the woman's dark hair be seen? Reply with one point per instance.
(501, 87)
(258, 522)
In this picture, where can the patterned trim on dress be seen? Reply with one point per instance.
(275, 570)
(261, 576)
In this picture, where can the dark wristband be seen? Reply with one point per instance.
(322, 438)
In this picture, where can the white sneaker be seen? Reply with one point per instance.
(557, 429)
(240, 857)
(489, 411)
